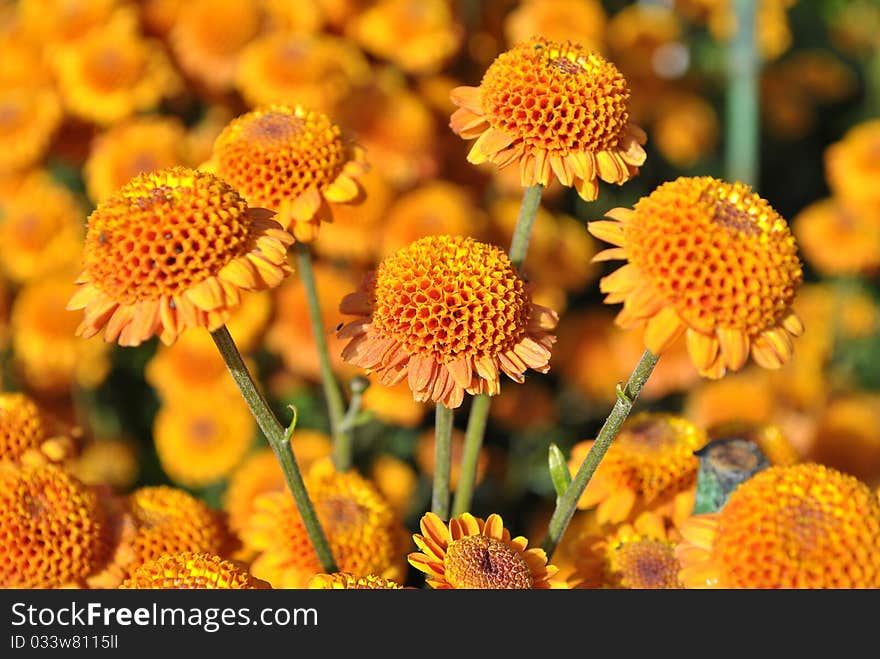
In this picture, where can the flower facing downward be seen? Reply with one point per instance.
(555, 109)
(450, 314)
(802, 526)
(710, 260)
(170, 250)
(469, 553)
(292, 161)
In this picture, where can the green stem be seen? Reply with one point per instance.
(278, 440)
(567, 503)
(743, 128)
(342, 436)
(528, 210)
(442, 460)
(473, 441)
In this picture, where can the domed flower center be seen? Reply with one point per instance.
(164, 232)
(450, 297)
(556, 97)
(279, 153)
(646, 563)
(342, 514)
(110, 68)
(717, 252)
(477, 561)
(654, 436)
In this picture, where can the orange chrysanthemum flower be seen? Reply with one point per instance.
(260, 473)
(838, 240)
(397, 480)
(113, 74)
(650, 466)
(209, 35)
(46, 353)
(348, 581)
(710, 260)
(27, 433)
(53, 21)
(191, 364)
(192, 570)
(804, 526)
(292, 161)
(52, 529)
(419, 36)
(140, 145)
(197, 444)
(394, 405)
(847, 436)
(42, 229)
(171, 250)
(558, 20)
(364, 534)
(686, 129)
(450, 314)
(28, 120)
(319, 71)
(160, 520)
(470, 553)
(103, 462)
(555, 110)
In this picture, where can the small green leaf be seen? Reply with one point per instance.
(558, 470)
(289, 432)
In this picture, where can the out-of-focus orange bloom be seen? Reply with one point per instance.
(852, 167)
(393, 405)
(848, 437)
(581, 21)
(396, 480)
(840, 240)
(28, 120)
(685, 129)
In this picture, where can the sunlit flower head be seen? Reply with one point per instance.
(27, 433)
(419, 36)
(838, 240)
(164, 520)
(42, 229)
(46, 353)
(431, 209)
(449, 314)
(52, 529)
(558, 20)
(171, 250)
(314, 71)
(710, 260)
(348, 581)
(555, 110)
(197, 443)
(293, 161)
(425, 456)
(631, 556)
(192, 570)
(113, 74)
(107, 462)
(851, 165)
(471, 553)
(396, 479)
(364, 534)
(803, 526)
(772, 441)
(208, 37)
(260, 473)
(137, 146)
(848, 437)
(649, 465)
(28, 121)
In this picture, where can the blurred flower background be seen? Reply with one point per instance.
(153, 451)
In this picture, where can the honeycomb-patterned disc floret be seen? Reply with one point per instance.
(22, 426)
(192, 570)
(477, 561)
(348, 581)
(803, 526)
(278, 153)
(641, 562)
(717, 252)
(52, 530)
(653, 455)
(169, 521)
(163, 233)
(450, 297)
(556, 97)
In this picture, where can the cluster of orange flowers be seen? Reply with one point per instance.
(161, 162)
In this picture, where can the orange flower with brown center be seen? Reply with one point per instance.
(52, 529)
(450, 314)
(472, 553)
(710, 260)
(348, 581)
(555, 110)
(292, 161)
(170, 250)
(803, 526)
(192, 570)
(650, 464)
